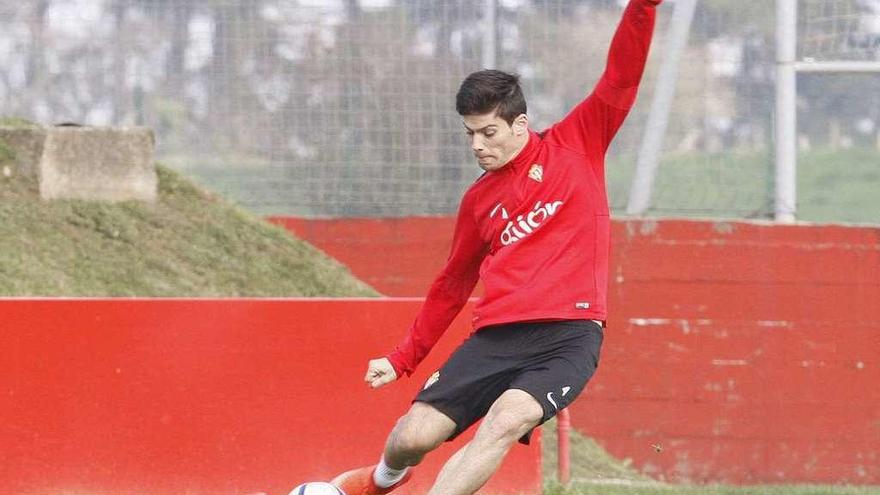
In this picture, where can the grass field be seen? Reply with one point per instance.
(833, 185)
(606, 489)
(595, 472)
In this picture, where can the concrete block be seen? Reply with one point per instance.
(91, 163)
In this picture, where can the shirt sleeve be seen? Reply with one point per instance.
(447, 295)
(592, 124)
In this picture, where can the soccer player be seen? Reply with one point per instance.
(535, 228)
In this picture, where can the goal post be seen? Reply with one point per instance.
(785, 190)
(811, 37)
(789, 63)
(661, 109)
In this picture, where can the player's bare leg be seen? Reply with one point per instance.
(418, 432)
(509, 418)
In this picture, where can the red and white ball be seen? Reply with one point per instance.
(316, 488)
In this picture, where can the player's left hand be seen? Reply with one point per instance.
(380, 373)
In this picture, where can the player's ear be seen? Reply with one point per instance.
(520, 124)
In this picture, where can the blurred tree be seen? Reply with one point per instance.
(36, 65)
(383, 131)
(231, 46)
(179, 16)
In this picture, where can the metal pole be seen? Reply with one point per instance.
(785, 200)
(661, 106)
(563, 450)
(491, 30)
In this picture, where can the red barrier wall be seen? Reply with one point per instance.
(747, 352)
(397, 256)
(207, 396)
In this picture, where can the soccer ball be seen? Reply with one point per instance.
(316, 488)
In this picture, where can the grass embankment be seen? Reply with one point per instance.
(598, 489)
(595, 472)
(189, 243)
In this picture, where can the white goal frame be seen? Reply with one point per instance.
(785, 124)
(787, 69)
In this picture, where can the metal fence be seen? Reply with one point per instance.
(346, 107)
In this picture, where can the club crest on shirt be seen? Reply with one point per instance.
(536, 173)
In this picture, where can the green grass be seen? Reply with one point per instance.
(832, 185)
(189, 243)
(726, 185)
(16, 122)
(588, 460)
(840, 186)
(595, 472)
(6, 154)
(710, 490)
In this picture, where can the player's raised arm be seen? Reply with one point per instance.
(446, 297)
(593, 123)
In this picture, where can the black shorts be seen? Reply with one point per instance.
(550, 360)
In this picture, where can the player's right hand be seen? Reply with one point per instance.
(380, 373)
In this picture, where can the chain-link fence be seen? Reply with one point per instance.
(346, 107)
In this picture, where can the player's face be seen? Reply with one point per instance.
(493, 141)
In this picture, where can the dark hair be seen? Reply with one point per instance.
(487, 90)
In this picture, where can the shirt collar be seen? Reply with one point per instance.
(526, 156)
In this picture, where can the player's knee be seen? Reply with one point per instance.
(414, 436)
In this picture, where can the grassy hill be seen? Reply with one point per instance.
(189, 243)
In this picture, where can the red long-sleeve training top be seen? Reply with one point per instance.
(536, 231)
